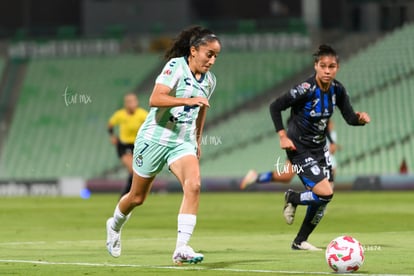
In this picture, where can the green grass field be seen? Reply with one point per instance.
(239, 233)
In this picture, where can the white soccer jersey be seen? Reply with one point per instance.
(170, 126)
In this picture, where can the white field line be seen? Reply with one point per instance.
(200, 268)
(79, 241)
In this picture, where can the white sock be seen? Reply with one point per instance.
(119, 219)
(186, 224)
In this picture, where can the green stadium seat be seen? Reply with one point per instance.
(242, 76)
(50, 137)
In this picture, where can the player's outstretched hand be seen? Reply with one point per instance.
(363, 117)
(200, 101)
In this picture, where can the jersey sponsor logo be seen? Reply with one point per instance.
(305, 85)
(187, 81)
(167, 72)
(185, 116)
(309, 160)
(313, 113)
(172, 63)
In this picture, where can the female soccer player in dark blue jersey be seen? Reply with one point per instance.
(312, 103)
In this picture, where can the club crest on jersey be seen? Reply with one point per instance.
(208, 87)
(139, 161)
(315, 170)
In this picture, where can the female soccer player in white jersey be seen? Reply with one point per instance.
(172, 134)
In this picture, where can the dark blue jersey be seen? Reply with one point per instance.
(311, 108)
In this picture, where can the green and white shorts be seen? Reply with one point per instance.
(150, 157)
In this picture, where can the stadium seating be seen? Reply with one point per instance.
(380, 143)
(239, 131)
(383, 62)
(241, 76)
(59, 125)
(262, 155)
(386, 72)
(56, 135)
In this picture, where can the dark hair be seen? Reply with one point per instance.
(193, 36)
(325, 50)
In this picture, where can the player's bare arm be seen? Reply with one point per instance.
(161, 97)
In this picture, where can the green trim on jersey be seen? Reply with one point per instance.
(171, 126)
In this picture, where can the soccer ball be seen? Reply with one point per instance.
(344, 254)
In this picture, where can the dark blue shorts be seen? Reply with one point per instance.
(312, 166)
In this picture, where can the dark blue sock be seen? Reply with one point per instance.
(314, 214)
(264, 177)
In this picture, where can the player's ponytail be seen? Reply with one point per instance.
(193, 36)
(325, 50)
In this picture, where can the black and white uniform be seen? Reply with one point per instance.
(311, 108)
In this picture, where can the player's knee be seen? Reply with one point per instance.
(137, 200)
(192, 186)
(325, 198)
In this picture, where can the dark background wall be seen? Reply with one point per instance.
(40, 17)
(95, 17)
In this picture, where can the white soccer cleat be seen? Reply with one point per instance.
(289, 210)
(185, 254)
(248, 180)
(113, 240)
(305, 246)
